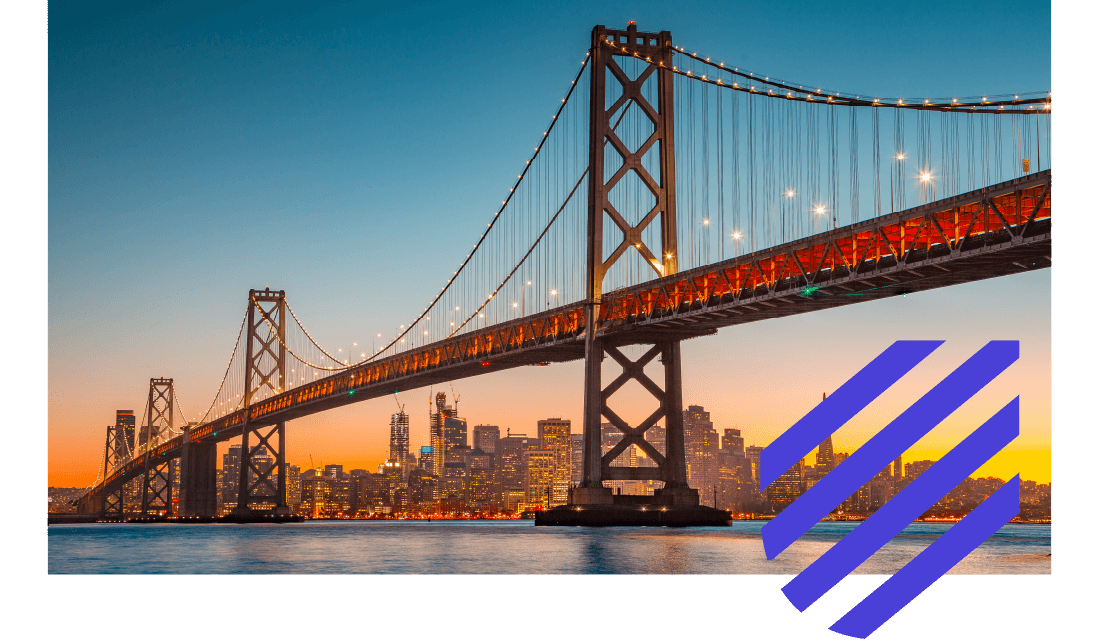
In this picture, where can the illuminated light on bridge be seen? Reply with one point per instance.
(631, 252)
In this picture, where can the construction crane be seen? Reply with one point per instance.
(454, 396)
(401, 407)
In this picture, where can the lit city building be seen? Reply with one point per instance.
(399, 438)
(231, 475)
(554, 437)
(294, 486)
(486, 438)
(577, 458)
(510, 465)
(701, 451)
(787, 488)
(125, 428)
(539, 476)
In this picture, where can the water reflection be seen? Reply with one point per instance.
(380, 547)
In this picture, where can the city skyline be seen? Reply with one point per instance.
(493, 477)
(760, 377)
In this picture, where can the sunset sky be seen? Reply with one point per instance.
(346, 154)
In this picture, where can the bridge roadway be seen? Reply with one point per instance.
(995, 231)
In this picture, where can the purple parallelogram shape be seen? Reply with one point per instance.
(932, 563)
(898, 436)
(909, 504)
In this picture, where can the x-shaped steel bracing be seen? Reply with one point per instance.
(632, 235)
(632, 370)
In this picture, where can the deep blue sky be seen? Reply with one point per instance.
(348, 152)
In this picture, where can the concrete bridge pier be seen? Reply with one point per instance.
(199, 480)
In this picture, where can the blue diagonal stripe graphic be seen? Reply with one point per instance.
(925, 490)
(932, 408)
(932, 563)
(842, 405)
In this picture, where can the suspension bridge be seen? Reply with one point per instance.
(779, 208)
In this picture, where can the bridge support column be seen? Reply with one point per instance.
(199, 480)
(671, 469)
(592, 503)
(262, 477)
(156, 493)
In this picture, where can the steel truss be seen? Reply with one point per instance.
(671, 468)
(265, 368)
(156, 493)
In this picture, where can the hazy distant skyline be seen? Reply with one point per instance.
(362, 148)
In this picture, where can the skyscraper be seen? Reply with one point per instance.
(554, 437)
(437, 439)
(733, 441)
(539, 477)
(454, 433)
(735, 474)
(486, 438)
(428, 456)
(701, 450)
(399, 439)
(577, 458)
(125, 423)
(231, 475)
(825, 461)
(294, 486)
(753, 458)
(510, 464)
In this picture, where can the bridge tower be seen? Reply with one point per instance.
(265, 369)
(607, 45)
(156, 493)
(114, 451)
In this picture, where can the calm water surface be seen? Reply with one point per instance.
(498, 547)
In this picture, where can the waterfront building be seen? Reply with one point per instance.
(554, 437)
(342, 494)
(454, 480)
(539, 466)
(294, 486)
(422, 487)
(372, 493)
(701, 450)
(510, 463)
(481, 486)
(511, 499)
(317, 497)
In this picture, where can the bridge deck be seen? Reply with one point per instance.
(995, 231)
